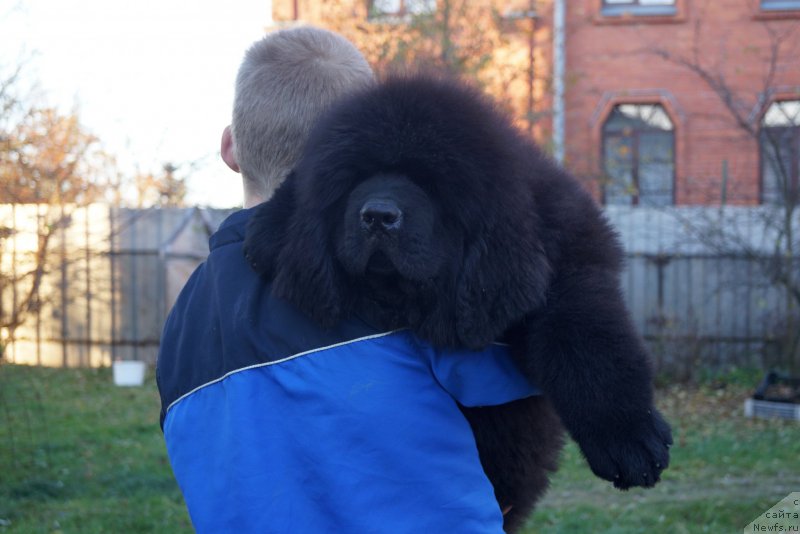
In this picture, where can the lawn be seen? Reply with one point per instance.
(80, 455)
(725, 470)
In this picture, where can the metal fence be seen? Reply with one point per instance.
(112, 275)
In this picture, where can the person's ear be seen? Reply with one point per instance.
(227, 150)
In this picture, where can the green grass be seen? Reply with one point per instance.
(725, 470)
(80, 455)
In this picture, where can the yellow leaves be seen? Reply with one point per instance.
(466, 37)
(48, 157)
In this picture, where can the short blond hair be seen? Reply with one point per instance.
(287, 79)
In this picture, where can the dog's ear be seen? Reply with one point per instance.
(266, 231)
(286, 241)
(504, 276)
(306, 274)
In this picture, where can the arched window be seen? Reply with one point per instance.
(639, 156)
(780, 152)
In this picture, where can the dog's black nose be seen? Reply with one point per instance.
(381, 215)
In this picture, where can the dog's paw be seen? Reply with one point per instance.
(632, 456)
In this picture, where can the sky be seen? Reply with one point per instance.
(153, 79)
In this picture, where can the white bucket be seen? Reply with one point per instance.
(129, 373)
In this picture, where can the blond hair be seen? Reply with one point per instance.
(287, 79)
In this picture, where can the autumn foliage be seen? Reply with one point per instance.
(499, 46)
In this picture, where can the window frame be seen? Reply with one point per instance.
(635, 162)
(794, 154)
(401, 14)
(776, 6)
(637, 9)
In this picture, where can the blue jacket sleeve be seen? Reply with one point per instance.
(483, 378)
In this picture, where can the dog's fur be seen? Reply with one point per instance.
(492, 241)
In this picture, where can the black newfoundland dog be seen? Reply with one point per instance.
(417, 204)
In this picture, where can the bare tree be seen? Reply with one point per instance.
(775, 247)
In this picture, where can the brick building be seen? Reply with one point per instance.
(639, 108)
(664, 101)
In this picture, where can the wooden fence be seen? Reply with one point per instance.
(114, 273)
(696, 284)
(110, 276)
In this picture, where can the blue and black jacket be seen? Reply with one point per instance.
(274, 425)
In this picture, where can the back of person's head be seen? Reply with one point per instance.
(285, 82)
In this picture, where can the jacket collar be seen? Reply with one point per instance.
(231, 230)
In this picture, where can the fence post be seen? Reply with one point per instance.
(113, 280)
(87, 354)
(133, 308)
(63, 258)
(14, 275)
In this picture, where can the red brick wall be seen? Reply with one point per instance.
(611, 60)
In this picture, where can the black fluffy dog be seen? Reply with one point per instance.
(417, 204)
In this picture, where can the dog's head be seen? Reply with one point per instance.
(411, 202)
